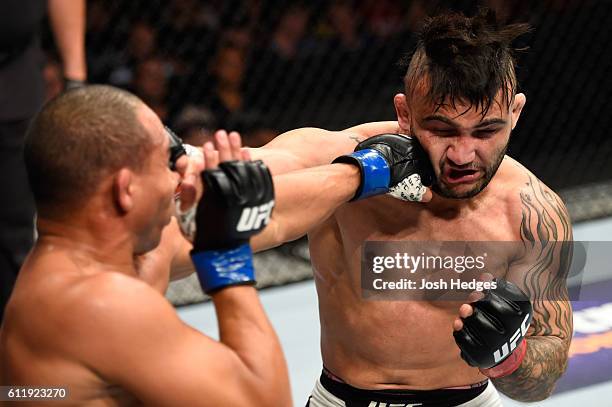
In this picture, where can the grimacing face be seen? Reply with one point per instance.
(465, 147)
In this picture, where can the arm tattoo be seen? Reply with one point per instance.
(546, 234)
(355, 139)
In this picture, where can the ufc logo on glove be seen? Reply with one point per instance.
(253, 218)
(501, 354)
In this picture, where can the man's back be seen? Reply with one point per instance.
(49, 314)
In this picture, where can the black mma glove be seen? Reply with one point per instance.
(237, 204)
(493, 337)
(391, 163)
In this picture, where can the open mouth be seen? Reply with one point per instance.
(455, 176)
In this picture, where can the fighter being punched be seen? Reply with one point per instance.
(453, 126)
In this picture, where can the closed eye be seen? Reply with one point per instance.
(444, 132)
(485, 133)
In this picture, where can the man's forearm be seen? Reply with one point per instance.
(67, 19)
(304, 199)
(245, 328)
(544, 362)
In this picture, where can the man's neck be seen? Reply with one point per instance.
(441, 206)
(90, 242)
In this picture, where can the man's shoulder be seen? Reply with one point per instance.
(530, 202)
(113, 295)
(87, 307)
(520, 184)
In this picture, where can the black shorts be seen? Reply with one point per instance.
(354, 397)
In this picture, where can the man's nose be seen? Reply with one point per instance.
(181, 165)
(461, 152)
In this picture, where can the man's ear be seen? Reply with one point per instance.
(124, 190)
(401, 110)
(517, 107)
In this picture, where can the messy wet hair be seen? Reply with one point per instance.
(465, 59)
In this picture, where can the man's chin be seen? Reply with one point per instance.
(458, 191)
(151, 243)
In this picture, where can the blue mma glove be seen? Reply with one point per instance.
(237, 204)
(391, 163)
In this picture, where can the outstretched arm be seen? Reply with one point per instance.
(307, 197)
(311, 147)
(304, 199)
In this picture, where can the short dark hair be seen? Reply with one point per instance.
(465, 59)
(77, 139)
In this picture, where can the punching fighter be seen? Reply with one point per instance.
(104, 172)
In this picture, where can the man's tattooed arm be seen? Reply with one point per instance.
(546, 237)
(356, 139)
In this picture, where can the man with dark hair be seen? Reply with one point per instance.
(460, 104)
(104, 172)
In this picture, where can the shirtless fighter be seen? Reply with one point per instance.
(460, 103)
(100, 164)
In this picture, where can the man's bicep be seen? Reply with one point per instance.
(367, 130)
(193, 370)
(543, 266)
(143, 347)
(304, 148)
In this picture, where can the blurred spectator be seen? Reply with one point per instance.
(343, 41)
(419, 10)
(226, 95)
(190, 29)
(239, 35)
(54, 79)
(195, 125)
(345, 22)
(102, 55)
(142, 41)
(563, 5)
(141, 45)
(509, 10)
(281, 66)
(288, 40)
(383, 17)
(187, 15)
(150, 83)
(255, 129)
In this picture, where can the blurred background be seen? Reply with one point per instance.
(266, 66)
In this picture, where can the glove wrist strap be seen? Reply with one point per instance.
(509, 365)
(375, 172)
(218, 269)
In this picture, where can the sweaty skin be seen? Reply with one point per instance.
(394, 345)
(72, 282)
(378, 344)
(87, 312)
